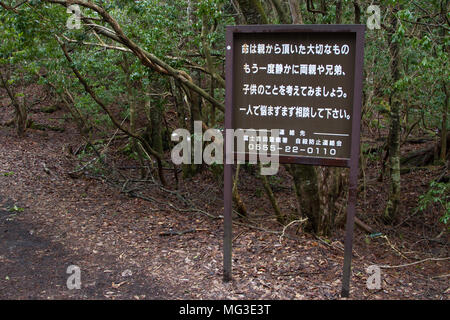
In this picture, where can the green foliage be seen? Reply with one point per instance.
(129, 151)
(15, 208)
(438, 195)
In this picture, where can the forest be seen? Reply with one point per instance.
(91, 93)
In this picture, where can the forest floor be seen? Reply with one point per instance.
(137, 240)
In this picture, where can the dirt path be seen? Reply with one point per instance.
(34, 249)
(31, 266)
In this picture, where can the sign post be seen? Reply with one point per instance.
(306, 82)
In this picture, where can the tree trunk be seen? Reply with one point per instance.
(305, 179)
(177, 94)
(357, 12)
(331, 188)
(295, 12)
(444, 124)
(282, 15)
(20, 118)
(241, 209)
(156, 128)
(253, 11)
(391, 210)
(132, 101)
(271, 196)
(338, 11)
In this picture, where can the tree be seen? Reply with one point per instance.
(393, 202)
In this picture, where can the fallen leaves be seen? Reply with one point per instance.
(127, 273)
(118, 285)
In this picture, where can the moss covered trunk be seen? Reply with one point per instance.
(391, 210)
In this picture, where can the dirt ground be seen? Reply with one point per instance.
(167, 243)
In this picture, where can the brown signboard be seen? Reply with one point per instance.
(300, 80)
(306, 82)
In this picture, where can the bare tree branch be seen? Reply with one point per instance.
(148, 59)
(91, 92)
